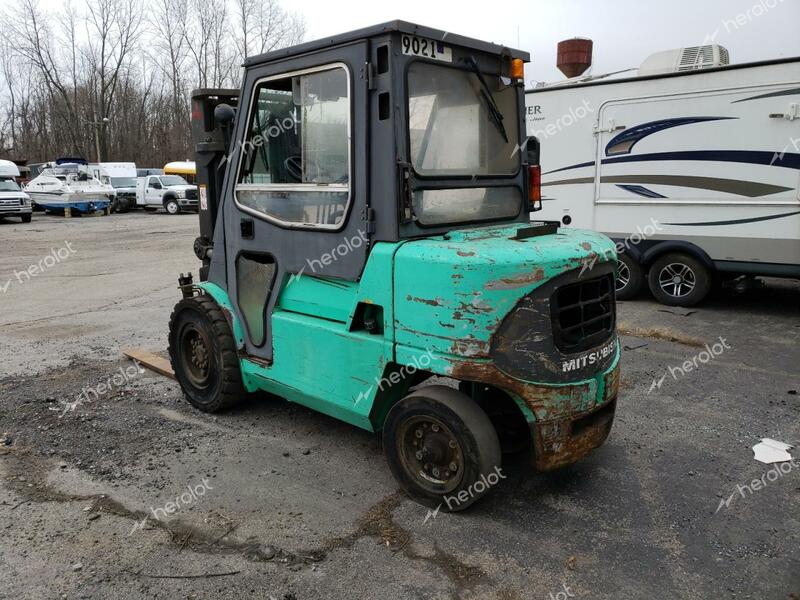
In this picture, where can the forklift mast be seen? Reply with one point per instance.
(212, 121)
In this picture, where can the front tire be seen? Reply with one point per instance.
(203, 354)
(629, 277)
(26, 218)
(171, 206)
(442, 448)
(679, 280)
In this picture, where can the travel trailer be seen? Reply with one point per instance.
(691, 166)
(13, 201)
(122, 177)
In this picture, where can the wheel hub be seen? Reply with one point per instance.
(677, 280)
(196, 355)
(431, 453)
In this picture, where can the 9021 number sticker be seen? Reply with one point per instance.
(426, 47)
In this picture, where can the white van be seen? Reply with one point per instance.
(696, 172)
(13, 201)
(122, 177)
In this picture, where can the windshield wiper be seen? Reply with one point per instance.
(486, 94)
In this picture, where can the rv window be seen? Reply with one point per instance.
(295, 162)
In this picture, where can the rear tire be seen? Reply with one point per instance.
(629, 277)
(679, 280)
(203, 354)
(439, 444)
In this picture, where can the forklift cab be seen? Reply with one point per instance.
(365, 224)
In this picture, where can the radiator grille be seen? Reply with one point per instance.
(583, 313)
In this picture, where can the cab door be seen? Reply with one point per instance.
(294, 196)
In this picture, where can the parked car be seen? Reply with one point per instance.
(13, 201)
(172, 192)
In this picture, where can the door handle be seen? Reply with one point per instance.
(790, 115)
(247, 229)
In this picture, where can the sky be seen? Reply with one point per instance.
(625, 32)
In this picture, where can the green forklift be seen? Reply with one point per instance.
(368, 251)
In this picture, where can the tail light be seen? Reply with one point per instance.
(535, 187)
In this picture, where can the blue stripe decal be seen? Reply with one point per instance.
(736, 221)
(789, 160)
(791, 92)
(640, 190)
(623, 142)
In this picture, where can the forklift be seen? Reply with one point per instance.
(368, 252)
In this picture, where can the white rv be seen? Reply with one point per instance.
(122, 177)
(13, 201)
(693, 170)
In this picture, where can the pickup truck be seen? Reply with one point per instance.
(172, 192)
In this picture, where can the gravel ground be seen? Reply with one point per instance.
(275, 501)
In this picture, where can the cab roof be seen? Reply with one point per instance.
(452, 39)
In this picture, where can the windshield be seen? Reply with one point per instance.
(8, 185)
(173, 180)
(123, 182)
(454, 128)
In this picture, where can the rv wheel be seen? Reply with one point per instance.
(679, 280)
(629, 277)
(442, 448)
(203, 354)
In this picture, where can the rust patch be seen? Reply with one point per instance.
(434, 302)
(462, 253)
(511, 283)
(563, 433)
(586, 246)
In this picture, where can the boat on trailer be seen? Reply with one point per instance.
(67, 183)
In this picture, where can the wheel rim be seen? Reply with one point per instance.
(172, 208)
(196, 356)
(677, 280)
(431, 454)
(623, 276)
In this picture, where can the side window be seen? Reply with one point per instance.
(295, 165)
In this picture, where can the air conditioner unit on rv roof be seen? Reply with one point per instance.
(685, 59)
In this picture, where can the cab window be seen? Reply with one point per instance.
(295, 160)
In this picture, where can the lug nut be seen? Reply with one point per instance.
(418, 433)
(418, 455)
(434, 427)
(436, 472)
(453, 466)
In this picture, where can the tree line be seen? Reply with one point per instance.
(113, 77)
